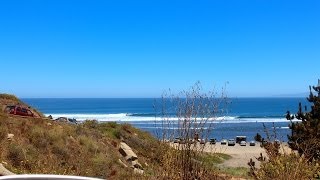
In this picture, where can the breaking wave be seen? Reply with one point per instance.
(127, 117)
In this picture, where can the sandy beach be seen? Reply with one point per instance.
(241, 155)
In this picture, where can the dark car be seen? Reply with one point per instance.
(213, 141)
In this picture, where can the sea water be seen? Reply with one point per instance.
(242, 116)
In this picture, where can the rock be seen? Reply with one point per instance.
(138, 171)
(49, 124)
(62, 119)
(72, 121)
(122, 163)
(10, 137)
(50, 117)
(127, 152)
(4, 171)
(136, 164)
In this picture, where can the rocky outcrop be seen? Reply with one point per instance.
(10, 137)
(131, 158)
(4, 171)
(122, 163)
(66, 120)
(127, 152)
(138, 171)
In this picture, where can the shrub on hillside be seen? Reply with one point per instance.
(287, 166)
(39, 137)
(15, 154)
(305, 136)
(3, 133)
(9, 97)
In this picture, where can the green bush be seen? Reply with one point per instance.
(39, 137)
(3, 133)
(61, 151)
(15, 155)
(287, 166)
(91, 124)
(89, 144)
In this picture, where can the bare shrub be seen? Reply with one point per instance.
(187, 118)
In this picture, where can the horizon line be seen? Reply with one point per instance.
(153, 97)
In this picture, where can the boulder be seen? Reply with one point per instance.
(136, 164)
(62, 119)
(10, 137)
(4, 171)
(138, 171)
(123, 164)
(127, 152)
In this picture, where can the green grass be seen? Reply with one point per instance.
(9, 97)
(213, 159)
(236, 171)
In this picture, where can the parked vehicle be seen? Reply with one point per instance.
(224, 142)
(20, 110)
(241, 138)
(243, 143)
(176, 140)
(231, 142)
(202, 141)
(252, 143)
(213, 141)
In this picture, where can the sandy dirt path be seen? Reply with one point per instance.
(241, 155)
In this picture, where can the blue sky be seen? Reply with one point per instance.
(140, 48)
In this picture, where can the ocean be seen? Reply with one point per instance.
(244, 116)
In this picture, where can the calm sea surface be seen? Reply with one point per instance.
(244, 116)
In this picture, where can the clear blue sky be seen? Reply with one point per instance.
(140, 48)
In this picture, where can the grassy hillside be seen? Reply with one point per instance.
(43, 146)
(8, 99)
(89, 149)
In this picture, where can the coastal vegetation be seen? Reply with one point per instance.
(187, 117)
(303, 161)
(305, 137)
(38, 145)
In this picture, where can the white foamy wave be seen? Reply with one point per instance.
(224, 118)
(99, 117)
(128, 117)
(173, 128)
(282, 127)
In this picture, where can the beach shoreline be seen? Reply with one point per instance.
(240, 155)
